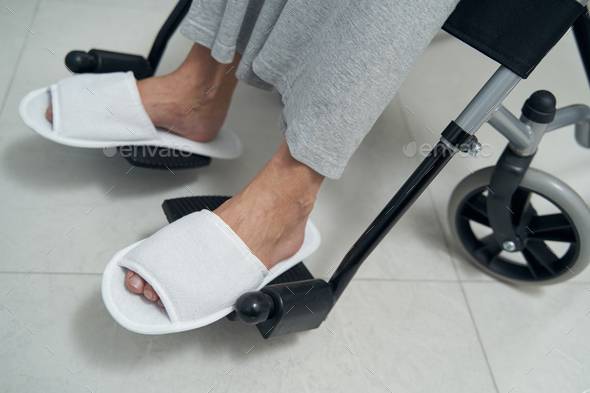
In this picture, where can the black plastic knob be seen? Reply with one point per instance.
(254, 307)
(80, 62)
(540, 107)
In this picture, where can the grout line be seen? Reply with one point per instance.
(442, 228)
(406, 124)
(405, 280)
(439, 220)
(355, 279)
(485, 355)
(470, 281)
(18, 60)
(54, 273)
(465, 298)
(577, 283)
(157, 8)
(409, 128)
(410, 280)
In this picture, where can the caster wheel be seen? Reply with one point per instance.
(549, 217)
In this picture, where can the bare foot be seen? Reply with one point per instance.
(193, 100)
(269, 215)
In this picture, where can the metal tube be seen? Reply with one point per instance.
(481, 108)
(573, 114)
(537, 132)
(513, 129)
(389, 216)
(166, 33)
(524, 137)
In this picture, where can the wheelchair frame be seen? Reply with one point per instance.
(270, 307)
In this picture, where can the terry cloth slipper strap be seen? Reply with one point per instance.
(100, 107)
(197, 266)
(103, 111)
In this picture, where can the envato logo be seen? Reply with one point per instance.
(148, 151)
(411, 149)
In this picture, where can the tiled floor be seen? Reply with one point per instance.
(417, 317)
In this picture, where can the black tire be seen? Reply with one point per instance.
(539, 265)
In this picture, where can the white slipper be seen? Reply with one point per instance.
(105, 110)
(198, 266)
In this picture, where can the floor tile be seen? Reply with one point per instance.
(15, 16)
(405, 337)
(535, 338)
(159, 5)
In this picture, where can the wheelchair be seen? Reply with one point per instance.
(515, 33)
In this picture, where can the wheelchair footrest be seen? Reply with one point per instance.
(179, 207)
(286, 308)
(297, 273)
(162, 158)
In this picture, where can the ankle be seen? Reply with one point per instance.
(187, 84)
(295, 182)
(205, 76)
(296, 171)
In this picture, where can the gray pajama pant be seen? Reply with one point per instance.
(336, 63)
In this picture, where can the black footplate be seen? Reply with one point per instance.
(179, 207)
(292, 302)
(162, 158)
(298, 272)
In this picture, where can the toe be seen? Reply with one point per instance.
(134, 282)
(149, 293)
(49, 114)
(160, 303)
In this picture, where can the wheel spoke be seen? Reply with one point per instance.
(475, 209)
(553, 227)
(539, 258)
(487, 249)
(520, 204)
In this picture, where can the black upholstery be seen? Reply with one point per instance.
(515, 33)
